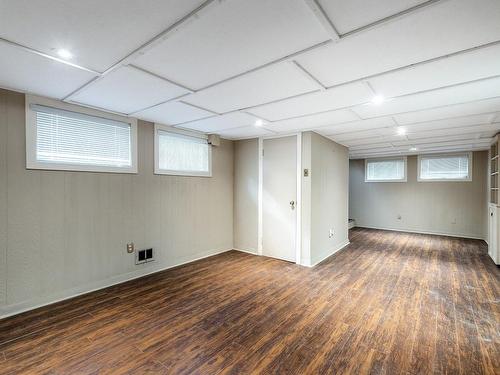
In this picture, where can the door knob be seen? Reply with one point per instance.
(292, 205)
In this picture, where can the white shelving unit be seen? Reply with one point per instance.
(493, 232)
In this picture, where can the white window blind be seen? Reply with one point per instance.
(64, 138)
(445, 167)
(182, 154)
(386, 170)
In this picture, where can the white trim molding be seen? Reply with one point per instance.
(151, 268)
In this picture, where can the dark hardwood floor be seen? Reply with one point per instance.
(391, 303)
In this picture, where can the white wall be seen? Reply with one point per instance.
(246, 189)
(63, 233)
(452, 208)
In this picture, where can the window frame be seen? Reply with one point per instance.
(31, 138)
(437, 156)
(405, 160)
(169, 172)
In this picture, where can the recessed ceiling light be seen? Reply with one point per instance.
(401, 131)
(413, 149)
(259, 122)
(378, 99)
(64, 53)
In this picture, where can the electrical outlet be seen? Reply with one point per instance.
(399, 217)
(130, 247)
(330, 233)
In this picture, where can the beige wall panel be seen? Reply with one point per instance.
(246, 188)
(66, 232)
(329, 196)
(3, 195)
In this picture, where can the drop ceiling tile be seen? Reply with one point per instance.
(452, 111)
(364, 134)
(274, 82)
(425, 34)
(245, 132)
(335, 98)
(98, 33)
(237, 36)
(451, 123)
(24, 71)
(378, 147)
(127, 90)
(353, 14)
(447, 96)
(482, 130)
(380, 122)
(369, 141)
(173, 113)
(223, 122)
(456, 69)
(454, 140)
(311, 122)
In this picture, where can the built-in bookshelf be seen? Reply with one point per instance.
(494, 176)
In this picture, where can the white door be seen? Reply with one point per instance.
(279, 197)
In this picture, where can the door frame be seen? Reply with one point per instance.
(298, 200)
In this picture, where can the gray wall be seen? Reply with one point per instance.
(452, 208)
(246, 190)
(63, 233)
(325, 196)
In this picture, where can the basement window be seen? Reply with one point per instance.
(182, 153)
(451, 167)
(62, 139)
(385, 170)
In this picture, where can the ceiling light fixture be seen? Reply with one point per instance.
(413, 149)
(401, 131)
(259, 123)
(64, 54)
(378, 99)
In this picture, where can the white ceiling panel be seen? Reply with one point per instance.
(342, 96)
(423, 35)
(28, 72)
(264, 85)
(223, 122)
(350, 15)
(245, 132)
(470, 66)
(368, 141)
(238, 36)
(372, 148)
(453, 140)
(452, 111)
(97, 33)
(447, 96)
(450, 123)
(364, 134)
(380, 122)
(478, 130)
(128, 90)
(314, 121)
(173, 113)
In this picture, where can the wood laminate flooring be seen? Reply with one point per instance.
(389, 303)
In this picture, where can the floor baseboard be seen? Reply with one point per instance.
(21, 307)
